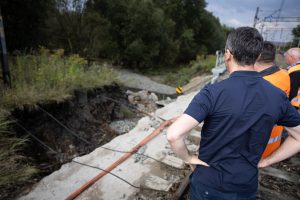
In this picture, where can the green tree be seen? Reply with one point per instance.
(25, 22)
(296, 34)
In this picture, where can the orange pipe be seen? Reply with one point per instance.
(77, 192)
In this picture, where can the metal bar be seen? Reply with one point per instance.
(3, 55)
(183, 187)
(283, 19)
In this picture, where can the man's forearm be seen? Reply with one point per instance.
(179, 148)
(290, 147)
(176, 136)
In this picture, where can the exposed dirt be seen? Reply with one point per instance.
(87, 115)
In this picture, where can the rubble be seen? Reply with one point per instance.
(144, 100)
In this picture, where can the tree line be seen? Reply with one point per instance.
(130, 33)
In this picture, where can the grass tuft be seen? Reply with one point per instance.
(47, 76)
(183, 74)
(13, 166)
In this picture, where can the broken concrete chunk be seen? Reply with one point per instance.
(193, 148)
(173, 162)
(155, 183)
(194, 137)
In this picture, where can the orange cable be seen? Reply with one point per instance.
(77, 192)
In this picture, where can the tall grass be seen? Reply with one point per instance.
(183, 74)
(13, 166)
(51, 76)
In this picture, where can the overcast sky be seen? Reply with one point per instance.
(235, 13)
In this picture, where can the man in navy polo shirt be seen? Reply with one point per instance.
(239, 114)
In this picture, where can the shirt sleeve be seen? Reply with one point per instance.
(290, 116)
(201, 105)
(295, 84)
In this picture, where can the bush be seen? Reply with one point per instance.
(51, 76)
(183, 74)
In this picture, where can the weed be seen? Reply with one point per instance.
(181, 75)
(51, 76)
(13, 166)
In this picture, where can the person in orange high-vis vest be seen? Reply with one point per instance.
(292, 58)
(265, 65)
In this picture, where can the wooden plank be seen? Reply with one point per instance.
(265, 193)
(271, 171)
(183, 187)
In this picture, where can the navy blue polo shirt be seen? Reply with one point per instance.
(239, 114)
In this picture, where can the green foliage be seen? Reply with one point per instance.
(296, 34)
(25, 22)
(183, 74)
(51, 76)
(136, 34)
(127, 112)
(13, 166)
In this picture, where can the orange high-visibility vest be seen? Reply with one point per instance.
(280, 79)
(296, 100)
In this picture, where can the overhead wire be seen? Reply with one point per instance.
(34, 137)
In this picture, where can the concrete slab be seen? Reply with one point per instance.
(156, 183)
(193, 148)
(176, 108)
(173, 162)
(194, 137)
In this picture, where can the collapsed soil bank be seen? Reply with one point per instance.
(87, 117)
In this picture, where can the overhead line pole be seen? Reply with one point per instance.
(256, 17)
(3, 55)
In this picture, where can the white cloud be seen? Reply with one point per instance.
(234, 22)
(237, 13)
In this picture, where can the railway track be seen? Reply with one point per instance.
(278, 182)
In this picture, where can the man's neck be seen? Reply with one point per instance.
(241, 68)
(262, 66)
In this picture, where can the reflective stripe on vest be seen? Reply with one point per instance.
(275, 139)
(296, 101)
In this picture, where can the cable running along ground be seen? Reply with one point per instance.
(115, 150)
(122, 179)
(34, 137)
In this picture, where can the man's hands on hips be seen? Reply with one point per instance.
(263, 163)
(176, 136)
(193, 161)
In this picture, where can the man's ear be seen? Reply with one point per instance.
(258, 57)
(227, 55)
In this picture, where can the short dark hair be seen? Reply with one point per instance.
(245, 44)
(268, 53)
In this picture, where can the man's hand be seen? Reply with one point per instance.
(289, 147)
(263, 163)
(194, 161)
(176, 136)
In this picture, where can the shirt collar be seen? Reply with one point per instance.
(270, 70)
(297, 63)
(245, 73)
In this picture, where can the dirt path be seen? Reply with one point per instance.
(133, 80)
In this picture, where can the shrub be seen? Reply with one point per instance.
(13, 166)
(51, 76)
